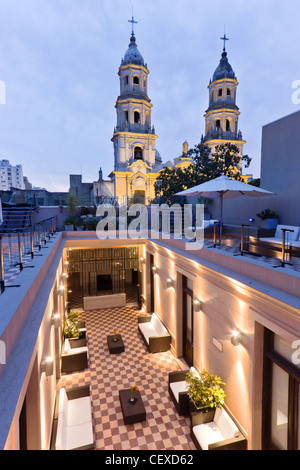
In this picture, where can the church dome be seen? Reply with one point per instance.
(158, 158)
(224, 69)
(133, 55)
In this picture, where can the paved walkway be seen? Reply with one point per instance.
(164, 429)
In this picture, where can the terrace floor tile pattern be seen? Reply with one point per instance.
(108, 373)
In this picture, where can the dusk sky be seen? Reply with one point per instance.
(60, 60)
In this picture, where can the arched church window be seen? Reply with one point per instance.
(126, 116)
(220, 92)
(218, 124)
(136, 117)
(136, 80)
(228, 92)
(228, 129)
(126, 80)
(138, 153)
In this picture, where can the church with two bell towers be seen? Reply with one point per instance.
(137, 163)
(222, 115)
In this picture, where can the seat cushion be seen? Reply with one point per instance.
(79, 411)
(225, 424)
(79, 350)
(147, 330)
(67, 346)
(69, 350)
(63, 403)
(292, 236)
(178, 387)
(207, 434)
(79, 436)
(61, 434)
(194, 372)
(158, 326)
(271, 240)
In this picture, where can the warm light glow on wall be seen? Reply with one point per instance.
(197, 305)
(236, 339)
(238, 286)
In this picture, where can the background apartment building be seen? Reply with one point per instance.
(11, 176)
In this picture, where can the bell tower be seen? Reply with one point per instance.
(222, 115)
(134, 136)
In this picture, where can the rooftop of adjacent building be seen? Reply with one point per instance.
(37, 276)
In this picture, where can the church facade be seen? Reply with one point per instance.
(222, 115)
(137, 162)
(134, 138)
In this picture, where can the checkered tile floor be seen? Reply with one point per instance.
(163, 429)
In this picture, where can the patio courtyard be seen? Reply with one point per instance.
(108, 373)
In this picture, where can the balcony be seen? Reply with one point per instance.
(135, 128)
(223, 135)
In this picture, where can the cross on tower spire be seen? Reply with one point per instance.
(224, 39)
(132, 22)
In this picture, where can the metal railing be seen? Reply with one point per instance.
(285, 248)
(285, 245)
(21, 243)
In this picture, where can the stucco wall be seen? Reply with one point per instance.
(230, 300)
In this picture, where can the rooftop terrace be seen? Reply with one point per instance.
(164, 429)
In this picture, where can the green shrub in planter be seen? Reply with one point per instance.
(71, 329)
(206, 393)
(267, 214)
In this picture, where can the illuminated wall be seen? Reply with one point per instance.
(228, 304)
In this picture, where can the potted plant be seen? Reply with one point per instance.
(69, 227)
(72, 326)
(206, 394)
(71, 329)
(269, 218)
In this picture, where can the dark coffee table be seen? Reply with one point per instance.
(115, 347)
(132, 413)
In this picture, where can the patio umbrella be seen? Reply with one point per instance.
(224, 187)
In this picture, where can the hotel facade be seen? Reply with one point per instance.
(213, 294)
(231, 314)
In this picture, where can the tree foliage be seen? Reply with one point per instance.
(72, 202)
(225, 160)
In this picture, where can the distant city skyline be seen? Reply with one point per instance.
(59, 71)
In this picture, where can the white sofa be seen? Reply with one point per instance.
(74, 427)
(292, 238)
(219, 434)
(178, 390)
(154, 333)
(71, 348)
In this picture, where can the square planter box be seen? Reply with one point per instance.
(269, 223)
